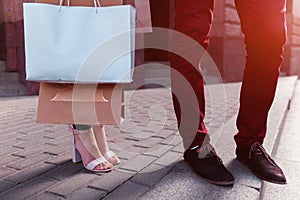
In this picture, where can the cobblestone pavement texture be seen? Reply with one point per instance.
(35, 159)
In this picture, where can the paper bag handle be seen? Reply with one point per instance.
(86, 94)
(96, 4)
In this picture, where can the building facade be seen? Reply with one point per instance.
(227, 47)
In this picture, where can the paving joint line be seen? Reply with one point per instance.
(53, 193)
(20, 156)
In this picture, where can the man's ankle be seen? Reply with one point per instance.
(199, 140)
(243, 151)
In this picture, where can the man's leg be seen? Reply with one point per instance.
(193, 19)
(263, 23)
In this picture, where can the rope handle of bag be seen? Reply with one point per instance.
(96, 4)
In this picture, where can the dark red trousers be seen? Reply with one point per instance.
(263, 24)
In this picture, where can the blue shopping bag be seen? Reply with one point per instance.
(69, 44)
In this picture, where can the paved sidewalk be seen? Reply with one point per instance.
(35, 159)
(287, 153)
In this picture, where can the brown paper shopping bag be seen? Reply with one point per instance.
(80, 104)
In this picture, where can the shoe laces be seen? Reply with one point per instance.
(206, 151)
(258, 149)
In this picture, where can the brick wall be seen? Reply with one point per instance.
(2, 52)
(226, 48)
(11, 17)
(12, 40)
(226, 44)
(291, 65)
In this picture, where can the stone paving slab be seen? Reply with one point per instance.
(138, 163)
(158, 150)
(69, 185)
(27, 189)
(181, 183)
(151, 175)
(247, 186)
(127, 191)
(87, 193)
(29, 173)
(287, 155)
(291, 190)
(64, 171)
(286, 89)
(5, 185)
(148, 144)
(110, 181)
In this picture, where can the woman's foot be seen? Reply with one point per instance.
(103, 145)
(86, 145)
(111, 157)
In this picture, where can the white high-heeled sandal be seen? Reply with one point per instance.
(76, 158)
(108, 155)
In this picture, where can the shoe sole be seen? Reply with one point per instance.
(116, 164)
(261, 177)
(219, 183)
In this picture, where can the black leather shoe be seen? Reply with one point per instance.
(261, 164)
(205, 162)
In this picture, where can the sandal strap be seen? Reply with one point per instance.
(95, 162)
(109, 154)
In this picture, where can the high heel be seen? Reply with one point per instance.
(76, 156)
